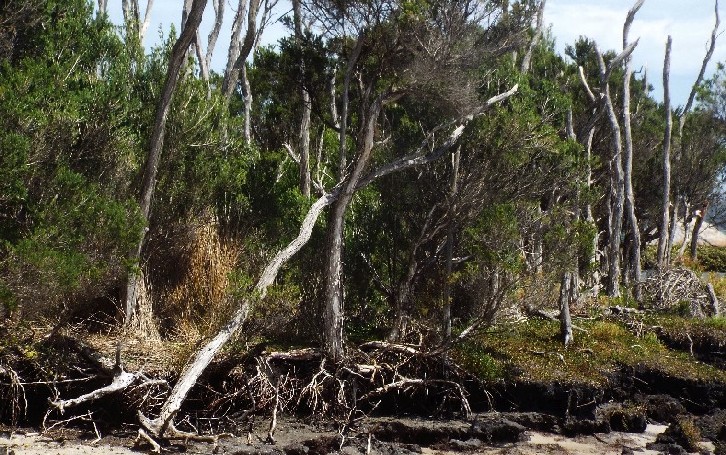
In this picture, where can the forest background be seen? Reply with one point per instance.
(406, 170)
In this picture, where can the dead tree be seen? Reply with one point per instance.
(102, 8)
(585, 138)
(196, 44)
(134, 316)
(527, 60)
(617, 180)
(663, 244)
(241, 48)
(214, 34)
(628, 158)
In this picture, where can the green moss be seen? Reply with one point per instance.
(533, 351)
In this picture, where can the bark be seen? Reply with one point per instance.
(239, 52)
(333, 330)
(130, 10)
(247, 96)
(617, 190)
(102, 8)
(527, 60)
(203, 68)
(199, 362)
(342, 152)
(628, 161)
(568, 290)
(589, 134)
(304, 134)
(156, 142)
(700, 216)
(451, 231)
(673, 228)
(132, 16)
(214, 34)
(230, 77)
(713, 300)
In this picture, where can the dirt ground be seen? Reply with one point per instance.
(293, 433)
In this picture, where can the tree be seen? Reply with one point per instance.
(663, 251)
(137, 308)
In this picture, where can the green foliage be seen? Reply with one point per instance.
(474, 357)
(66, 157)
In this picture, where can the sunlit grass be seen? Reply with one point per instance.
(533, 351)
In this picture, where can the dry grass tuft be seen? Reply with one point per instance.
(197, 300)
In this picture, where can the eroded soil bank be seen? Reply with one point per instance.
(590, 398)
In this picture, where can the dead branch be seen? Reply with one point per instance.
(392, 347)
(121, 381)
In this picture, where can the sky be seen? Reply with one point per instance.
(689, 22)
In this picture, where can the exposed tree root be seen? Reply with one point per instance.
(303, 381)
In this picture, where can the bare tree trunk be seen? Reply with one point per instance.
(666, 205)
(247, 93)
(333, 329)
(230, 77)
(156, 144)
(617, 179)
(203, 69)
(451, 230)
(618, 196)
(352, 61)
(594, 280)
(700, 216)
(568, 290)
(238, 53)
(147, 20)
(628, 161)
(527, 60)
(304, 135)
(214, 34)
(130, 10)
(102, 8)
(673, 228)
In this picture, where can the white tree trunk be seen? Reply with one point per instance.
(527, 60)
(634, 259)
(568, 292)
(451, 230)
(663, 244)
